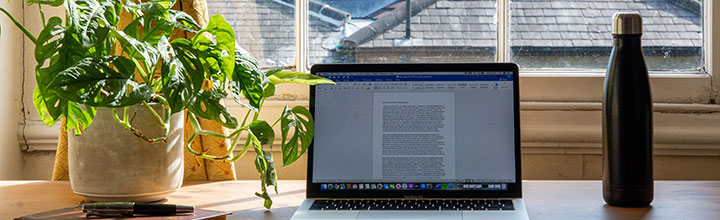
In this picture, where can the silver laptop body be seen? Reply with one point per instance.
(415, 141)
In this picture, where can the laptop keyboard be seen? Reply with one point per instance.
(411, 204)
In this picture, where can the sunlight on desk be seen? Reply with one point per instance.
(544, 199)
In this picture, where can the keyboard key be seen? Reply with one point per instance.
(413, 204)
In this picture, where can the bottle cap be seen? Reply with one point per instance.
(627, 23)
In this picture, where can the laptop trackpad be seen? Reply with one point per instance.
(414, 215)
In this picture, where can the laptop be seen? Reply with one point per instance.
(415, 141)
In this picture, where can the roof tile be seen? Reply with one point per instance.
(557, 23)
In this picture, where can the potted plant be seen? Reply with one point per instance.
(88, 66)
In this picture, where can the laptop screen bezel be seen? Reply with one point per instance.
(514, 190)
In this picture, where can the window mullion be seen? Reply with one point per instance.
(707, 35)
(301, 35)
(503, 31)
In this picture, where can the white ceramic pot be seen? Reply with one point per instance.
(108, 163)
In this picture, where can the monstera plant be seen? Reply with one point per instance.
(86, 61)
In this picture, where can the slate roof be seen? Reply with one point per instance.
(588, 23)
(446, 24)
(266, 27)
(537, 23)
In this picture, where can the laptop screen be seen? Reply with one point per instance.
(434, 130)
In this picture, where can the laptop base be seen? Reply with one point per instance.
(304, 213)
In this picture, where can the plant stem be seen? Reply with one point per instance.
(168, 112)
(42, 15)
(197, 130)
(232, 145)
(257, 113)
(141, 71)
(276, 121)
(126, 114)
(156, 115)
(244, 150)
(20, 26)
(126, 124)
(117, 120)
(246, 117)
(188, 146)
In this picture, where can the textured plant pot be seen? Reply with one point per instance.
(108, 163)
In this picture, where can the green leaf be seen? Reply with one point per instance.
(246, 81)
(184, 21)
(298, 77)
(223, 46)
(46, 47)
(53, 3)
(273, 71)
(54, 45)
(300, 121)
(157, 8)
(78, 118)
(154, 29)
(268, 201)
(263, 132)
(101, 82)
(182, 75)
(156, 18)
(92, 19)
(42, 108)
(268, 175)
(143, 51)
(207, 105)
(245, 59)
(269, 90)
(133, 29)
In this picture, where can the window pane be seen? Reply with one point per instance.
(374, 31)
(263, 27)
(577, 34)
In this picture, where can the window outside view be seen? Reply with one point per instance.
(439, 31)
(578, 34)
(265, 28)
(544, 34)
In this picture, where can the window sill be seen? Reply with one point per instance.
(573, 86)
(547, 128)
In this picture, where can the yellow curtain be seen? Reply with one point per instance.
(195, 168)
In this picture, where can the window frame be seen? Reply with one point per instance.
(578, 85)
(562, 100)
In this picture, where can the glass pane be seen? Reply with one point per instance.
(263, 27)
(577, 34)
(375, 31)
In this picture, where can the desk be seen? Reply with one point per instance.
(544, 199)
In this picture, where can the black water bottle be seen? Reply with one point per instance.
(627, 119)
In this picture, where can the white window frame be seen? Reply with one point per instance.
(576, 85)
(560, 108)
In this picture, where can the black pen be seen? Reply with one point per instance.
(131, 208)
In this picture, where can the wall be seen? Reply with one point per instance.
(11, 71)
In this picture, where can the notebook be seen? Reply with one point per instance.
(76, 213)
(415, 141)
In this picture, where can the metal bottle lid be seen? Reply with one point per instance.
(627, 23)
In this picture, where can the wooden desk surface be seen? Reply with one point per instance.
(544, 199)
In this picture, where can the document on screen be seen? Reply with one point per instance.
(413, 136)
